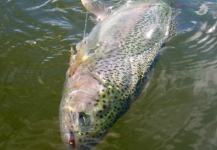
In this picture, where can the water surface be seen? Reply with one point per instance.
(176, 111)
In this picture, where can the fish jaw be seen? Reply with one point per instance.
(78, 108)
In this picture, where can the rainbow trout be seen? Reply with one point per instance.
(109, 70)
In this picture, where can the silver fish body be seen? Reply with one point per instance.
(109, 69)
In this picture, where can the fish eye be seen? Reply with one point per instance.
(84, 119)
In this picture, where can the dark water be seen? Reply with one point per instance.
(177, 110)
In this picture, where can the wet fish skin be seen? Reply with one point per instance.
(97, 8)
(109, 69)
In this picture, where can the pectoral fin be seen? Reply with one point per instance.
(76, 60)
(97, 8)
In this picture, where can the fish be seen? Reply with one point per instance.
(110, 69)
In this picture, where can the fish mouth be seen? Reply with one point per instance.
(71, 140)
(85, 145)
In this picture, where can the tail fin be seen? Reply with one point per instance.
(181, 25)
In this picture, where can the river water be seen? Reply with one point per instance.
(176, 111)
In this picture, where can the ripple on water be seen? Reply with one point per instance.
(35, 135)
(176, 111)
(34, 54)
(197, 50)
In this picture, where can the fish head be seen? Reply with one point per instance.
(77, 129)
(83, 116)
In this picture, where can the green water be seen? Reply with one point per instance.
(176, 111)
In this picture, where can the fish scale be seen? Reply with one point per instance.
(133, 53)
(114, 62)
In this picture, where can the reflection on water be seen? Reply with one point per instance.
(176, 111)
(34, 50)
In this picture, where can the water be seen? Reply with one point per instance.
(176, 111)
